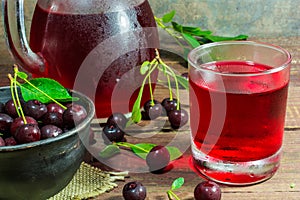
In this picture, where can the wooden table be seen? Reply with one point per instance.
(285, 184)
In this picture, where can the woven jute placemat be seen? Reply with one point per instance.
(89, 182)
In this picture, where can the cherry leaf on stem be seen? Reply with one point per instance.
(177, 183)
(142, 149)
(136, 112)
(168, 16)
(22, 75)
(191, 40)
(109, 151)
(145, 67)
(174, 152)
(49, 86)
(215, 38)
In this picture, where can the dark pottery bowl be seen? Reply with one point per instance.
(39, 170)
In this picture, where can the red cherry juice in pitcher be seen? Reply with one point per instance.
(253, 123)
(65, 39)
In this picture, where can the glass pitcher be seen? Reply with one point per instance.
(92, 46)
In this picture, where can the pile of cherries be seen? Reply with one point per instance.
(159, 157)
(42, 121)
(206, 190)
(113, 130)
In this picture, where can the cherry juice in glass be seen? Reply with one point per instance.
(237, 120)
(66, 39)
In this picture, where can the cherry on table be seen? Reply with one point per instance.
(178, 118)
(118, 119)
(158, 158)
(112, 133)
(169, 104)
(134, 190)
(153, 109)
(207, 190)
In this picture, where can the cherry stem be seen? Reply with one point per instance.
(15, 96)
(170, 90)
(171, 194)
(42, 92)
(175, 79)
(151, 92)
(129, 145)
(12, 93)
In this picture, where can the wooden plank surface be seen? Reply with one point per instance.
(276, 188)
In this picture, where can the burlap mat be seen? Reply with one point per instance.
(89, 182)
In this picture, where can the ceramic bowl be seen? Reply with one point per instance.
(39, 170)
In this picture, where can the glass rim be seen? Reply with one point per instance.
(284, 65)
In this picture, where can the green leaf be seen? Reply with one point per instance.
(177, 183)
(49, 86)
(22, 75)
(174, 152)
(177, 27)
(191, 40)
(183, 82)
(136, 112)
(215, 38)
(169, 16)
(145, 67)
(292, 185)
(142, 149)
(186, 52)
(109, 151)
(196, 31)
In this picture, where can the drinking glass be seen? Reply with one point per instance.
(238, 96)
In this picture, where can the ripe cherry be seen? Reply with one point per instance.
(49, 131)
(169, 104)
(5, 123)
(28, 133)
(10, 108)
(19, 122)
(153, 109)
(54, 118)
(178, 118)
(134, 191)
(54, 107)
(158, 158)
(207, 190)
(112, 133)
(73, 115)
(34, 108)
(10, 141)
(118, 119)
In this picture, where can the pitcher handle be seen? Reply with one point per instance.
(15, 35)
